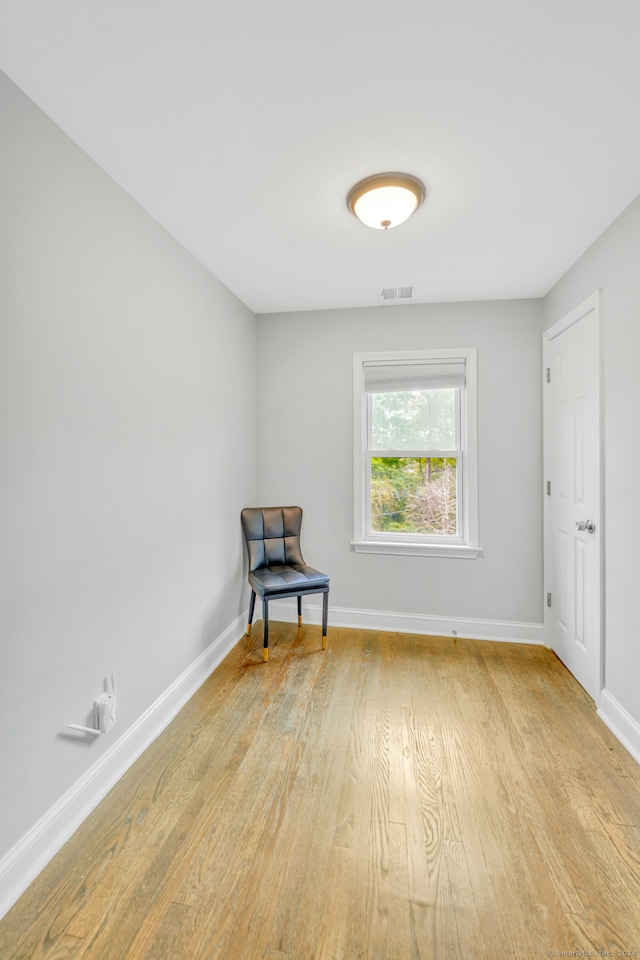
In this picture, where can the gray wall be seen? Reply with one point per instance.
(305, 452)
(612, 265)
(128, 449)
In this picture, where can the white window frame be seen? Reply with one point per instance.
(465, 544)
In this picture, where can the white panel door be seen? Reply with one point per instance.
(572, 515)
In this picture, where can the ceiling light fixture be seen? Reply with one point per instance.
(386, 199)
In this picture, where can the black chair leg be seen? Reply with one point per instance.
(299, 611)
(325, 611)
(265, 629)
(252, 606)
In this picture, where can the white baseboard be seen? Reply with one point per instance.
(20, 866)
(621, 723)
(513, 632)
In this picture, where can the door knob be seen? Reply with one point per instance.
(587, 525)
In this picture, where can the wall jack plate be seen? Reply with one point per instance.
(105, 711)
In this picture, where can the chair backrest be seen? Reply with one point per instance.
(272, 535)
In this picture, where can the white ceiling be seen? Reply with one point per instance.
(241, 127)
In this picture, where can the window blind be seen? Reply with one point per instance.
(384, 377)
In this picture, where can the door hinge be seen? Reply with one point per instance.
(548, 488)
(548, 374)
(548, 599)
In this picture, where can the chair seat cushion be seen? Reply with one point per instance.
(284, 577)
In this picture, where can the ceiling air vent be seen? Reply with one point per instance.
(395, 294)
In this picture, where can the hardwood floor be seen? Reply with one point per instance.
(396, 797)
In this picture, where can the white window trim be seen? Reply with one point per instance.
(398, 544)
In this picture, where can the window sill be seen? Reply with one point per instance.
(457, 551)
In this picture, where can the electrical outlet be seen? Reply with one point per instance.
(106, 708)
(105, 711)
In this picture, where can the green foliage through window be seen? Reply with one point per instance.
(414, 495)
(414, 420)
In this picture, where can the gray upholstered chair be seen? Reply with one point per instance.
(276, 565)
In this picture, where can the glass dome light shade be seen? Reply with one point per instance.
(385, 200)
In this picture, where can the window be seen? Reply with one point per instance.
(415, 457)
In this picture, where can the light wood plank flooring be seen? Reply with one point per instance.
(396, 797)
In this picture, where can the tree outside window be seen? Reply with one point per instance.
(414, 494)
